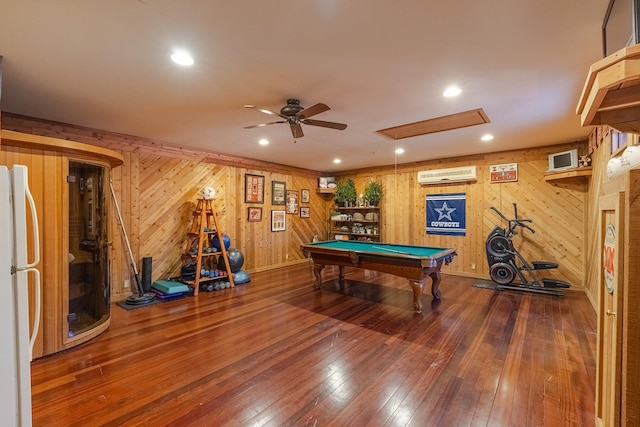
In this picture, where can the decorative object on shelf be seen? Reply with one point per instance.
(327, 182)
(584, 161)
(373, 192)
(305, 212)
(253, 188)
(345, 192)
(254, 214)
(208, 193)
(304, 195)
(278, 192)
(278, 220)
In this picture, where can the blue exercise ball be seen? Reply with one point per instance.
(236, 260)
(241, 277)
(215, 242)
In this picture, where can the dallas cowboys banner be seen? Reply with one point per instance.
(446, 214)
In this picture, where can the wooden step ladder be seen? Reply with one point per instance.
(200, 235)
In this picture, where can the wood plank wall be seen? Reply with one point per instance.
(593, 251)
(158, 185)
(557, 209)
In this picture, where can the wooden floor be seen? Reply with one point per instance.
(275, 352)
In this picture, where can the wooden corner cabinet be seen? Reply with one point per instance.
(356, 223)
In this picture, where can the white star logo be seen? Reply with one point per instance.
(444, 212)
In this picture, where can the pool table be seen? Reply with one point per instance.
(416, 263)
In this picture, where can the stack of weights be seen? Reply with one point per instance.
(188, 272)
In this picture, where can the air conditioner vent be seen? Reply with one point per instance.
(439, 176)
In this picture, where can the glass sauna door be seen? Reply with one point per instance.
(89, 287)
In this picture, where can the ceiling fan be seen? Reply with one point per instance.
(295, 114)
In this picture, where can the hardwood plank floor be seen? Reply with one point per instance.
(275, 352)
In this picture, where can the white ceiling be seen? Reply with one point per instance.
(376, 63)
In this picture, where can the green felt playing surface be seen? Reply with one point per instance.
(383, 248)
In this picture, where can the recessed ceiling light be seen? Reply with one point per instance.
(263, 141)
(487, 137)
(452, 91)
(337, 161)
(182, 57)
(399, 150)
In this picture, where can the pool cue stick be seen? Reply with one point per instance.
(390, 250)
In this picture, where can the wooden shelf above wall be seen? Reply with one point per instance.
(325, 190)
(611, 94)
(572, 173)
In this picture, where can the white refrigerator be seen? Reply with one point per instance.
(16, 340)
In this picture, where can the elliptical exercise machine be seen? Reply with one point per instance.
(506, 263)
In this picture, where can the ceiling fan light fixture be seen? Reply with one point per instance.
(296, 115)
(336, 161)
(263, 141)
(486, 137)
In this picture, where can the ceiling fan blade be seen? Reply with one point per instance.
(322, 123)
(264, 124)
(312, 111)
(296, 130)
(263, 110)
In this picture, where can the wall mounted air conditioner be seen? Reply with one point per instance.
(440, 176)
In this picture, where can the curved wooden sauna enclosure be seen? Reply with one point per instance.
(70, 184)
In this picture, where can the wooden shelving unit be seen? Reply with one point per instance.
(199, 247)
(572, 173)
(356, 228)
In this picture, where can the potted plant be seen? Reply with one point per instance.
(345, 192)
(373, 192)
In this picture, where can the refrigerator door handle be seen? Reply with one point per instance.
(36, 317)
(30, 267)
(36, 232)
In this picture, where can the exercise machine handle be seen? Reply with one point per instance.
(513, 223)
(499, 213)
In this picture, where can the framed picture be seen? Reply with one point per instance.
(304, 195)
(278, 192)
(278, 220)
(254, 214)
(292, 202)
(305, 212)
(253, 188)
(507, 172)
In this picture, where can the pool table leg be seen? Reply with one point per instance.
(317, 271)
(435, 279)
(418, 287)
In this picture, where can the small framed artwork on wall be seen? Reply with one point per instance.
(278, 220)
(254, 214)
(305, 212)
(292, 201)
(253, 188)
(278, 192)
(304, 195)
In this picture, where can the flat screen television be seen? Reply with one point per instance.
(563, 160)
(620, 26)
